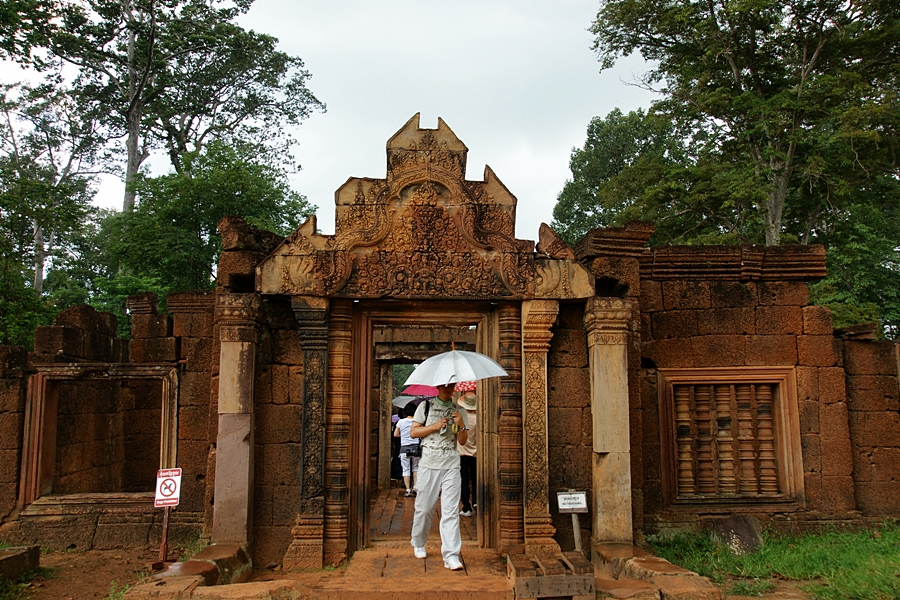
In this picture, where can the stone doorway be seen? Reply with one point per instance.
(388, 333)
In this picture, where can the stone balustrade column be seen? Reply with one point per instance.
(306, 550)
(233, 509)
(606, 322)
(538, 316)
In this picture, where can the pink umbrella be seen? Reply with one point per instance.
(417, 389)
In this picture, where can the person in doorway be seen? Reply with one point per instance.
(445, 425)
(467, 450)
(408, 448)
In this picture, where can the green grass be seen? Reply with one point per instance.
(835, 565)
(189, 549)
(18, 589)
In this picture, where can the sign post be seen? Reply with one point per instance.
(574, 502)
(168, 490)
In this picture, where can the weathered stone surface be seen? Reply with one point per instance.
(562, 427)
(809, 416)
(568, 348)
(818, 351)
(87, 318)
(811, 448)
(879, 499)
(833, 421)
(870, 358)
(839, 494)
(674, 324)
(53, 341)
(150, 325)
(191, 568)
(784, 293)
(808, 384)
(875, 464)
(651, 296)
(17, 560)
(768, 350)
(779, 320)
(625, 588)
(270, 543)
(873, 393)
(732, 294)
(685, 294)
(875, 429)
(646, 567)
(278, 424)
(194, 324)
(717, 351)
(817, 321)
(197, 354)
(726, 321)
(670, 354)
(832, 385)
(690, 587)
(837, 457)
(154, 350)
(257, 590)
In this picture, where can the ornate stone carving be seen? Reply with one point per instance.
(512, 534)
(562, 279)
(552, 245)
(538, 316)
(337, 431)
(306, 549)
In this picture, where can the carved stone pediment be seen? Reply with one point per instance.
(422, 232)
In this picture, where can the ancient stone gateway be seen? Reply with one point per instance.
(424, 245)
(674, 384)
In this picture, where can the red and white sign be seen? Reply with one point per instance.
(168, 487)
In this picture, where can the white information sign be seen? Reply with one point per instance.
(572, 502)
(168, 487)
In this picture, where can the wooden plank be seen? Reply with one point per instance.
(554, 585)
(577, 563)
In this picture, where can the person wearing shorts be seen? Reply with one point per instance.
(410, 464)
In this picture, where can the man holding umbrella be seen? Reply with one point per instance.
(439, 473)
(445, 425)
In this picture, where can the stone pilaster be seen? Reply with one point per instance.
(512, 533)
(307, 546)
(233, 510)
(606, 322)
(538, 316)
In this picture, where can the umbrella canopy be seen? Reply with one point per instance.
(455, 366)
(421, 390)
(403, 400)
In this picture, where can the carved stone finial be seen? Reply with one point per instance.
(552, 245)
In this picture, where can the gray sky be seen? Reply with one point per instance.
(514, 79)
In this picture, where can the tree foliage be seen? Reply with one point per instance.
(171, 235)
(784, 88)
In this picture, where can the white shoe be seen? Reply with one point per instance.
(453, 564)
(465, 513)
(419, 551)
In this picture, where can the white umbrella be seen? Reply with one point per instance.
(455, 366)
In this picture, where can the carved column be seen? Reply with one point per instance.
(337, 433)
(538, 316)
(233, 509)
(307, 546)
(606, 321)
(512, 535)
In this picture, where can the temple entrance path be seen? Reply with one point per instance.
(391, 516)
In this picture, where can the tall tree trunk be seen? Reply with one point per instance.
(39, 256)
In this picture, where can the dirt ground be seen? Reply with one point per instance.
(74, 575)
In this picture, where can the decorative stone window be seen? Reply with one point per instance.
(96, 448)
(730, 435)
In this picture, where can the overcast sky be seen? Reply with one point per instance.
(514, 79)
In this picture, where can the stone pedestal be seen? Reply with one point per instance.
(233, 509)
(538, 317)
(606, 321)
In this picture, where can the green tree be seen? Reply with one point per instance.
(171, 235)
(178, 73)
(771, 85)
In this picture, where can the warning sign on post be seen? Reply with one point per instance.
(168, 487)
(572, 501)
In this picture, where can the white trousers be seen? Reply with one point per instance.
(430, 483)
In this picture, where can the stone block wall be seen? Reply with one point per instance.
(710, 322)
(80, 334)
(874, 413)
(279, 413)
(569, 422)
(13, 365)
